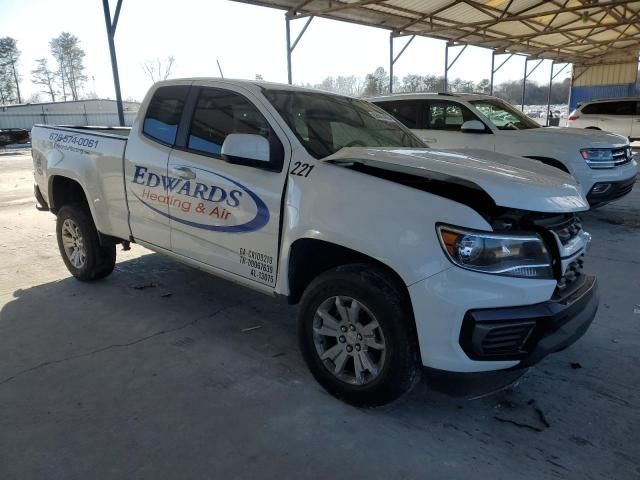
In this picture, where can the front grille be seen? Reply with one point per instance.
(571, 274)
(567, 230)
(621, 155)
(502, 340)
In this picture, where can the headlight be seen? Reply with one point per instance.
(486, 252)
(606, 157)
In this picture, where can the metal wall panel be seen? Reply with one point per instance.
(84, 112)
(28, 120)
(616, 74)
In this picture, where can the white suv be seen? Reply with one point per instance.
(618, 115)
(601, 162)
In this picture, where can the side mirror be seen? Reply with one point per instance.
(246, 149)
(473, 126)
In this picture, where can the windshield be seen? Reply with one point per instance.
(325, 123)
(503, 115)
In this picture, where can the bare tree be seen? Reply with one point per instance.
(42, 75)
(34, 98)
(9, 78)
(159, 69)
(6, 89)
(66, 49)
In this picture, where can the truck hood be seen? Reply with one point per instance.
(582, 137)
(511, 182)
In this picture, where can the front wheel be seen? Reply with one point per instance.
(356, 337)
(80, 247)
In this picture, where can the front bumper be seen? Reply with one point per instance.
(605, 192)
(442, 302)
(528, 334)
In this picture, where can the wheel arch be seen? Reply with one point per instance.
(310, 257)
(64, 191)
(552, 162)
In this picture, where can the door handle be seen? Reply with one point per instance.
(184, 172)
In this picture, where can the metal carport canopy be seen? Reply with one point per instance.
(582, 32)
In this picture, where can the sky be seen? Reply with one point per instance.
(245, 39)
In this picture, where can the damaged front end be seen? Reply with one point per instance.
(534, 212)
(529, 333)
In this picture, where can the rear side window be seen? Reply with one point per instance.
(610, 108)
(405, 111)
(219, 113)
(164, 112)
(447, 116)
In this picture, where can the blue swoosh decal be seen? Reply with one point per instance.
(259, 221)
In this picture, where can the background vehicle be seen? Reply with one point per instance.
(399, 255)
(617, 115)
(602, 163)
(13, 135)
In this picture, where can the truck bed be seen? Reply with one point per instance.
(92, 156)
(119, 131)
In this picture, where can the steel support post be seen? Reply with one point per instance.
(526, 75)
(448, 65)
(111, 31)
(393, 60)
(551, 79)
(493, 62)
(290, 47)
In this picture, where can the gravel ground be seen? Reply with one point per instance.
(149, 374)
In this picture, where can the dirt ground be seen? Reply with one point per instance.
(151, 373)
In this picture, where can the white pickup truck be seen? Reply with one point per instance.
(601, 162)
(399, 255)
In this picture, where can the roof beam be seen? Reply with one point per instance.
(527, 36)
(336, 8)
(518, 17)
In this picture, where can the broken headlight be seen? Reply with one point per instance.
(497, 254)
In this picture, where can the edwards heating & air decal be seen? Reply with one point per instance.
(228, 206)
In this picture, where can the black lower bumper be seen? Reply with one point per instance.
(42, 203)
(605, 192)
(530, 333)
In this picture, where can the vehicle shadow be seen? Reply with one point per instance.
(153, 296)
(158, 341)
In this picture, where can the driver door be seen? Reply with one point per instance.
(223, 214)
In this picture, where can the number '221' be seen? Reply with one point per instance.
(301, 169)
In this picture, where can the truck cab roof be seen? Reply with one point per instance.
(431, 96)
(243, 83)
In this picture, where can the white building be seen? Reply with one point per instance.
(81, 112)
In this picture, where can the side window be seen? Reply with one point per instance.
(591, 109)
(611, 108)
(405, 111)
(442, 115)
(164, 112)
(219, 113)
(624, 108)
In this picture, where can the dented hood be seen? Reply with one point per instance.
(512, 182)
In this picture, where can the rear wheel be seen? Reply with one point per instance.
(79, 245)
(356, 337)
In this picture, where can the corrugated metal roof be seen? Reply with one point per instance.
(583, 32)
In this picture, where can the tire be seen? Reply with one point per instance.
(390, 350)
(77, 233)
